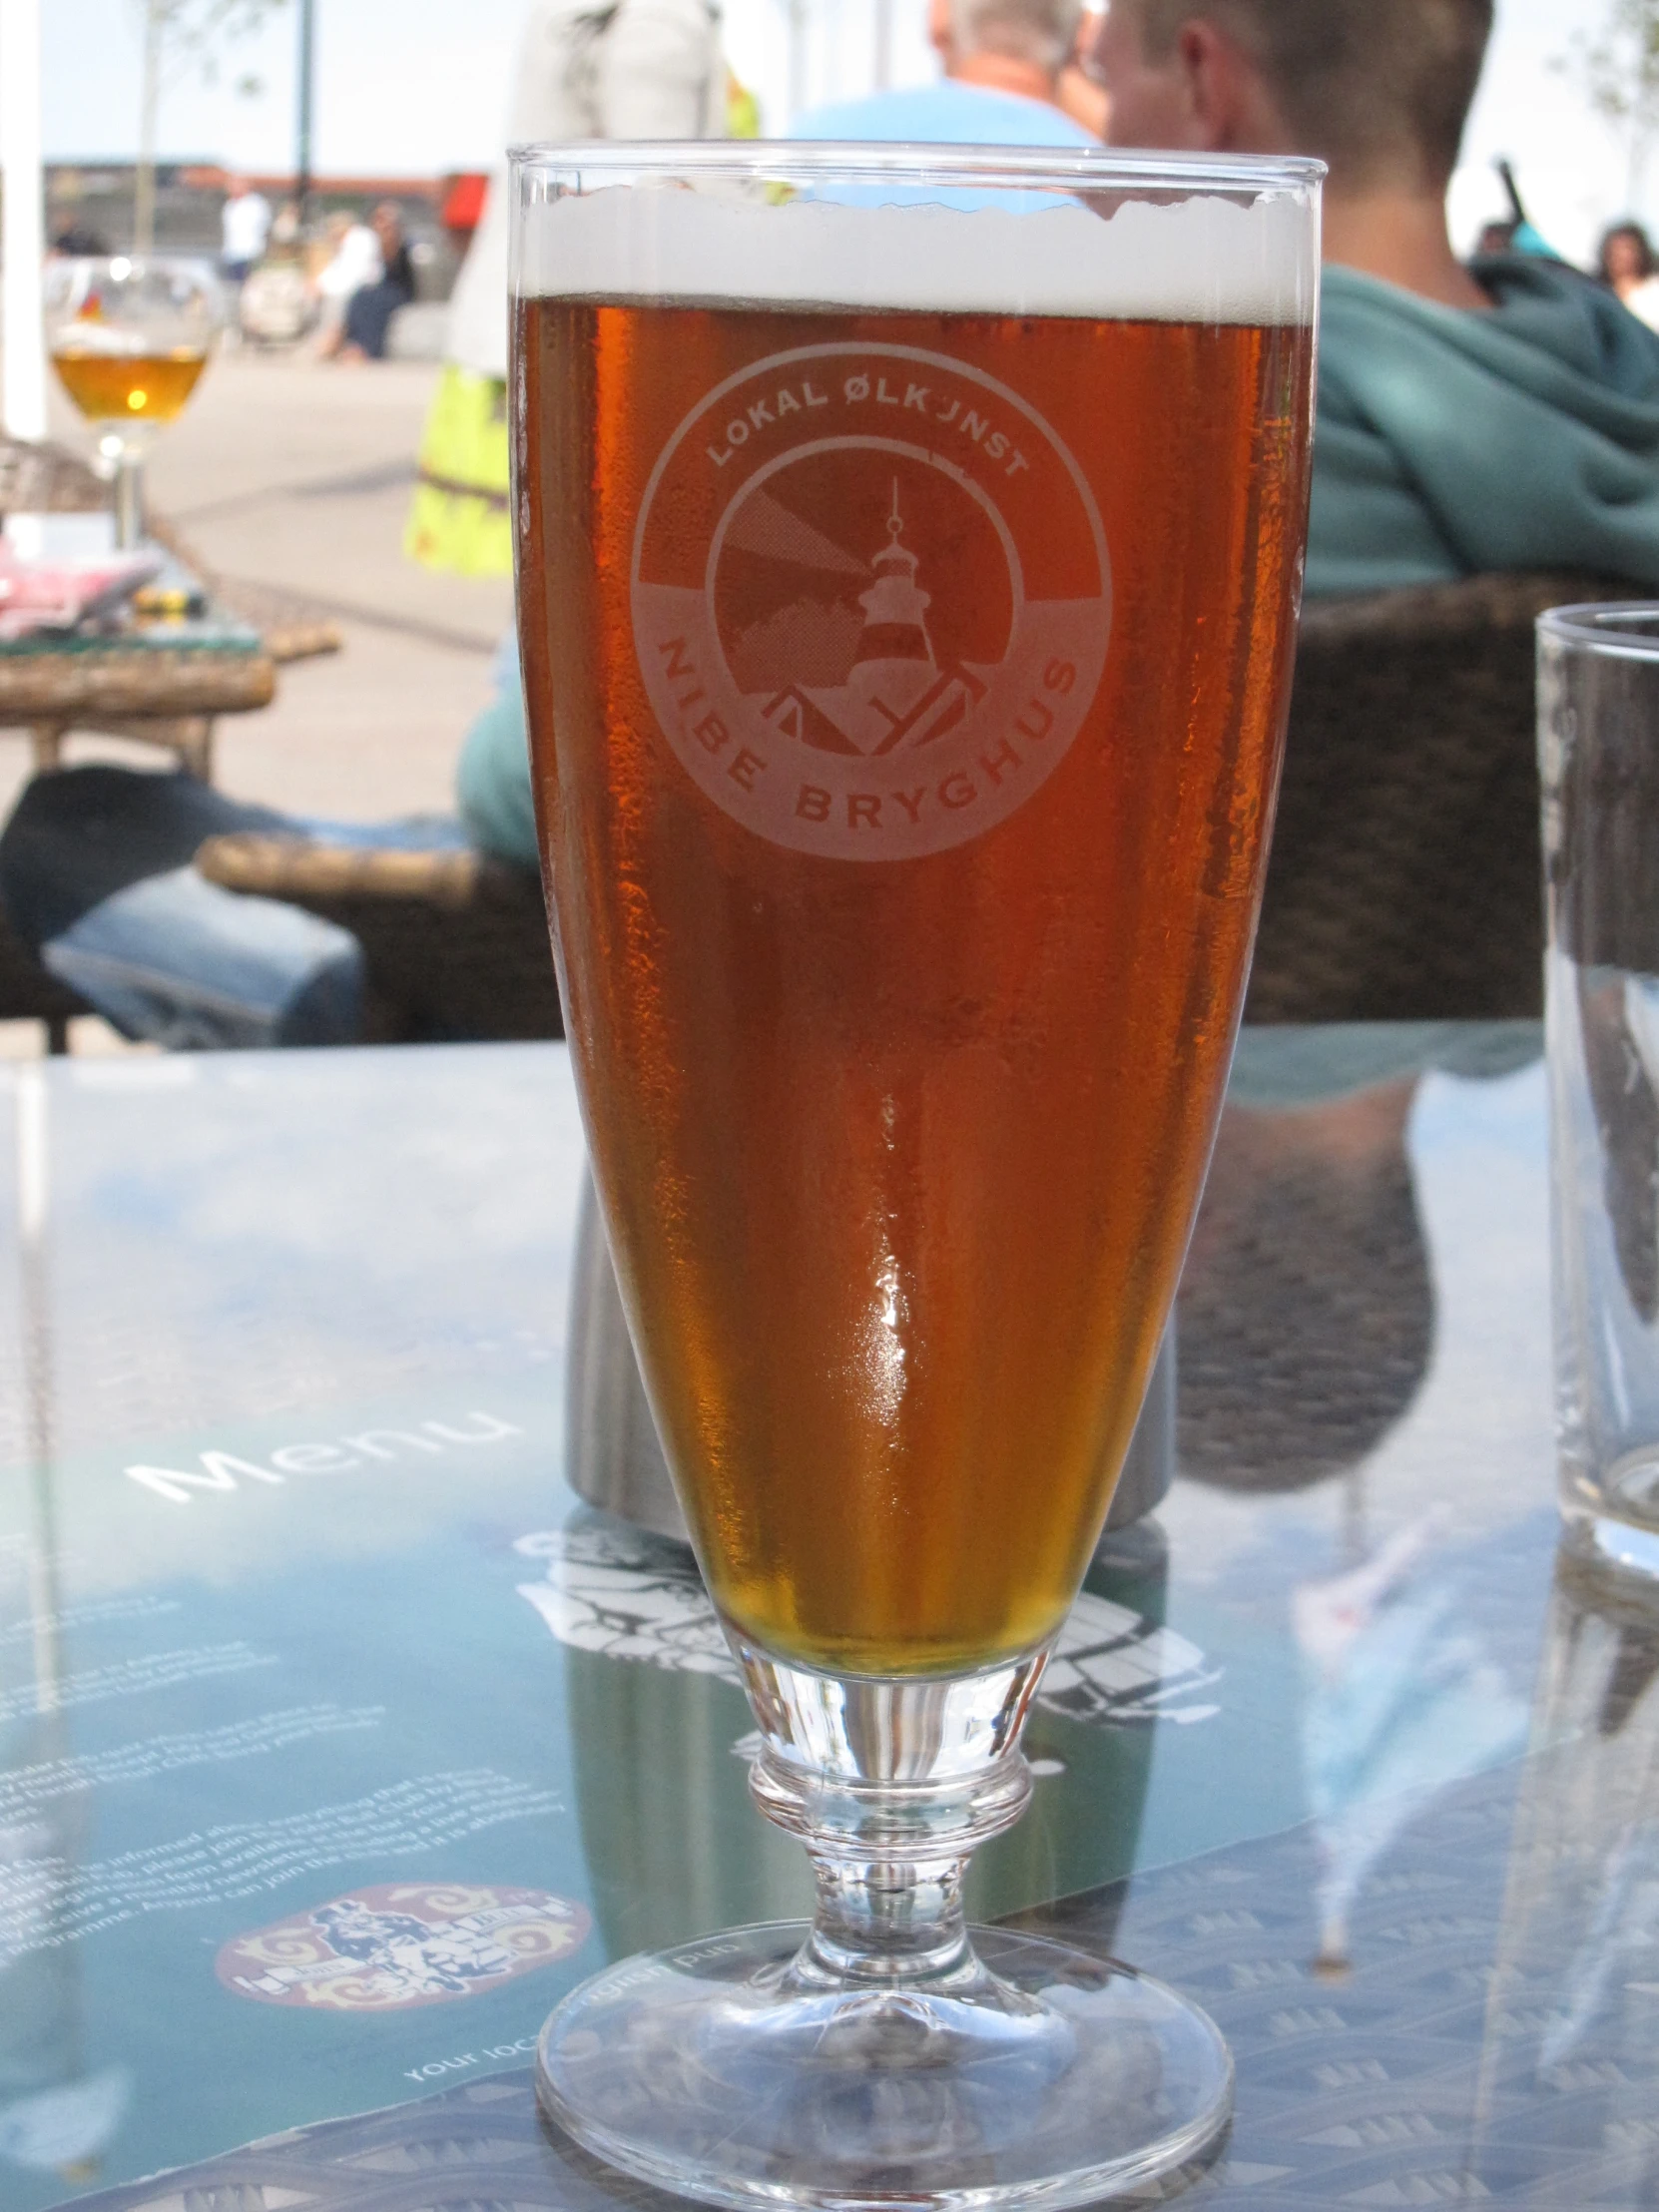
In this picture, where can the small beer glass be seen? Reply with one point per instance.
(908, 548)
(128, 338)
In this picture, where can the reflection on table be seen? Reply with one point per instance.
(303, 1641)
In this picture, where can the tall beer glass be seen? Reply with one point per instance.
(908, 554)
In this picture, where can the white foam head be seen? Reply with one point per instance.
(1206, 258)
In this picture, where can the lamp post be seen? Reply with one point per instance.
(155, 14)
(23, 241)
(307, 72)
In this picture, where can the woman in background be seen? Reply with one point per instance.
(352, 260)
(1625, 265)
(370, 310)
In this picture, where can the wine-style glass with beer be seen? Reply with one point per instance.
(129, 337)
(909, 545)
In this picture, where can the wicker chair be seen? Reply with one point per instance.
(1405, 880)
(455, 944)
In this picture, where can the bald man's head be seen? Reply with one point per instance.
(1040, 33)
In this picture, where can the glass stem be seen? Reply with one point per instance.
(129, 502)
(880, 1921)
(892, 1785)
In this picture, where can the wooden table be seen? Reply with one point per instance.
(165, 685)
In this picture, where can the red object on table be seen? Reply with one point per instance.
(56, 595)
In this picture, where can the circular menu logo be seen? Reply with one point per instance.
(395, 1944)
(870, 599)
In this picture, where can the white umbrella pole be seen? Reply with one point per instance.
(23, 243)
(794, 12)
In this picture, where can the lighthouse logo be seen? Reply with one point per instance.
(872, 600)
(893, 692)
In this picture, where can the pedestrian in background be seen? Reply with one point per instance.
(634, 69)
(1502, 415)
(1625, 265)
(1002, 63)
(244, 227)
(350, 261)
(369, 310)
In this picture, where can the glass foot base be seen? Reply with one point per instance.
(1612, 1513)
(1611, 1543)
(735, 2071)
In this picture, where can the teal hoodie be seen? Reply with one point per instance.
(1450, 441)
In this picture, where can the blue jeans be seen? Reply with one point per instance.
(193, 966)
(96, 877)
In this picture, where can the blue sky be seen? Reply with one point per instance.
(419, 86)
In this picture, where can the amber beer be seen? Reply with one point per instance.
(128, 388)
(902, 1001)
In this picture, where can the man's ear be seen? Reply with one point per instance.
(941, 32)
(1229, 108)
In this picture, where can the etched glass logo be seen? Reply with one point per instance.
(870, 599)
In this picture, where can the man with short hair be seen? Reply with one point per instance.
(1003, 61)
(1504, 415)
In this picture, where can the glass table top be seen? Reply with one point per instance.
(338, 1738)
